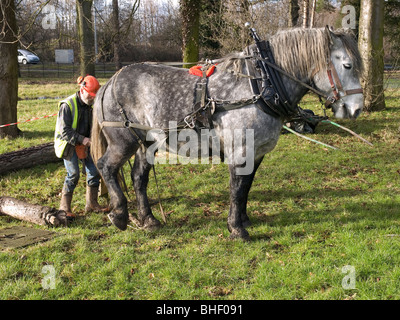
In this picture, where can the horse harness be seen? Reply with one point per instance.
(269, 94)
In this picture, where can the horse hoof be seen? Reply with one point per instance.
(119, 220)
(148, 224)
(151, 224)
(240, 234)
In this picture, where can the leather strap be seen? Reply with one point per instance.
(336, 84)
(354, 91)
(336, 77)
(127, 124)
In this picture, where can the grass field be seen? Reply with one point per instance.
(325, 223)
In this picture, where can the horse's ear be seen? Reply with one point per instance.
(329, 32)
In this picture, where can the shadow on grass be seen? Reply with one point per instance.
(357, 211)
(38, 134)
(188, 212)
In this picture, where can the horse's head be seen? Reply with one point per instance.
(340, 81)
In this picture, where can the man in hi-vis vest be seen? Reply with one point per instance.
(72, 142)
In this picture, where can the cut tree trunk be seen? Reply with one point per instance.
(27, 158)
(33, 213)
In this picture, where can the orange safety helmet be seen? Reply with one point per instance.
(89, 84)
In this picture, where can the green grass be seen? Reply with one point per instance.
(313, 211)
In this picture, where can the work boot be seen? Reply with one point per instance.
(92, 194)
(65, 204)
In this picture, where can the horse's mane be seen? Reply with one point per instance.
(299, 51)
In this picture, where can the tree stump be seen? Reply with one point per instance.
(33, 213)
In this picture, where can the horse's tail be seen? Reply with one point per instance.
(98, 141)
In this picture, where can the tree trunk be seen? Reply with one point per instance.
(306, 13)
(371, 48)
(32, 212)
(190, 11)
(86, 37)
(27, 158)
(312, 17)
(293, 13)
(8, 68)
(117, 37)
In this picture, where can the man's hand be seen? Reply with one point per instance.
(86, 142)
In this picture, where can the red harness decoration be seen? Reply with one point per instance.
(198, 71)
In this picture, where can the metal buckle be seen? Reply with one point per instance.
(127, 124)
(332, 99)
(277, 99)
(191, 119)
(256, 98)
(213, 105)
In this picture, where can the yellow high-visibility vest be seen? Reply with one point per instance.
(59, 144)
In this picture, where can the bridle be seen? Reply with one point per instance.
(337, 87)
(334, 81)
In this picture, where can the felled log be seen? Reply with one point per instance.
(27, 158)
(33, 213)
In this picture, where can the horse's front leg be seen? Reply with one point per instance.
(239, 190)
(140, 178)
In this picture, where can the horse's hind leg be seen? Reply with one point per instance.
(109, 165)
(140, 178)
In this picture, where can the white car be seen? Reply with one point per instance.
(25, 56)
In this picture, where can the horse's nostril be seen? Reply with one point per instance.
(357, 113)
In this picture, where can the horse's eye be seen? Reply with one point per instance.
(347, 65)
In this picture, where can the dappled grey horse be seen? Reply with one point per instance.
(145, 96)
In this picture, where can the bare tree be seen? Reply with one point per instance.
(121, 31)
(293, 13)
(8, 68)
(306, 9)
(45, 25)
(236, 14)
(86, 36)
(312, 16)
(116, 40)
(371, 47)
